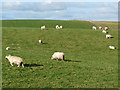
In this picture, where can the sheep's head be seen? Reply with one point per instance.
(7, 56)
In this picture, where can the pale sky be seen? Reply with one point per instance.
(60, 9)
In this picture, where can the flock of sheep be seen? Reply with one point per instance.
(105, 31)
(57, 27)
(56, 55)
(19, 60)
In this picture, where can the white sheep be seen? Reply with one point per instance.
(15, 60)
(57, 26)
(112, 47)
(43, 27)
(108, 36)
(94, 28)
(58, 55)
(61, 27)
(8, 48)
(40, 41)
(104, 31)
(100, 27)
(106, 28)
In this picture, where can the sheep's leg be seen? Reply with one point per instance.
(63, 58)
(11, 64)
(22, 65)
(18, 64)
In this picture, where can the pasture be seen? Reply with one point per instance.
(89, 63)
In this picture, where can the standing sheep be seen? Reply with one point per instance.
(94, 28)
(106, 28)
(43, 27)
(58, 55)
(108, 36)
(57, 26)
(61, 27)
(100, 27)
(15, 60)
(40, 41)
(8, 48)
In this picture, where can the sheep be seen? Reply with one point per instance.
(8, 48)
(57, 26)
(15, 60)
(40, 41)
(58, 55)
(106, 28)
(61, 27)
(112, 47)
(94, 28)
(104, 31)
(100, 27)
(43, 27)
(108, 36)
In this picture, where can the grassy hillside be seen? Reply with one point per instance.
(88, 61)
(47, 23)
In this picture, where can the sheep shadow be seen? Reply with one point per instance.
(44, 43)
(71, 61)
(12, 49)
(32, 65)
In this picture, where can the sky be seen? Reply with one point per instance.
(92, 10)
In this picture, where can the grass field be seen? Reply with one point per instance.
(89, 63)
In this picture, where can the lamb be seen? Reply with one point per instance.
(94, 28)
(106, 28)
(40, 41)
(8, 48)
(112, 47)
(57, 26)
(104, 31)
(43, 27)
(108, 36)
(58, 55)
(15, 60)
(61, 27)
(100, 27)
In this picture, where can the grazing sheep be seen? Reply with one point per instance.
(61, 27)
(94, 28)
(57, 26)
(108, 36)
(100, 27)
(7, 48)
(40, 41)
(112, 47)
(106, 28)
(15, 60)
(43, 28)
(104, 31)
(58, 55)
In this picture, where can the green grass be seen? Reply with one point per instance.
(89, 62)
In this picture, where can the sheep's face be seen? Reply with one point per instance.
(52, 57)
(7, 56)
